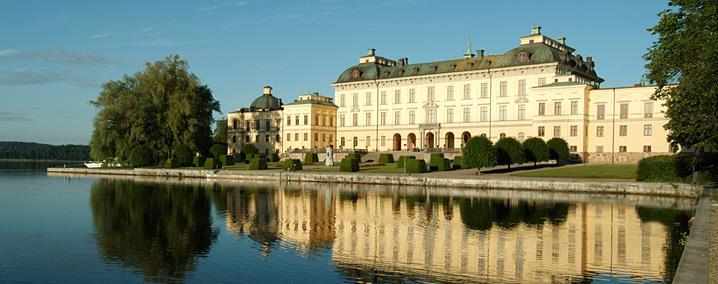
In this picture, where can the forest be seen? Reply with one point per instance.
(37, 151)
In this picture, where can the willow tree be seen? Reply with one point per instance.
(162, 106)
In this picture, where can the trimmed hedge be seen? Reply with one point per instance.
(535, 150)
(436, 158)
(509, 151)
(198, 162)
(457, 162)
(258, 164)
(415, 166)
(658, 168)
(349, 165)
(249, 150)
(226, 160)
(442, 165)
(558, 149)
(211, 164)
(274, 157)
(310, 158)
(386, 158)
(292, 165)
(402, 161)
(172, 163)
(479, 152)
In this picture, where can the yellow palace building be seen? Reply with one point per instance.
(542, 88)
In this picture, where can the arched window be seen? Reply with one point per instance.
(502, 135)
(521, 136)
(341, 144)
(356, 141)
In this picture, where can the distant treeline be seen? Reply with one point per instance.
(37, 151)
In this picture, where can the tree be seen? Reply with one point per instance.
(220, 132)
(686, 54)
(141, 157)
(535, 150)
(557, 149)
(509, 151)
(183, 154)
(478, 153)
(218, 150)
(161, 106)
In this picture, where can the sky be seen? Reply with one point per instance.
(55, 55)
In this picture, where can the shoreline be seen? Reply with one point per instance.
(475, 182)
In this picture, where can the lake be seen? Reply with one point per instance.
(61, 228)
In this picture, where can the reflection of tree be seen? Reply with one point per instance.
(159, 229)
(481, 214)
(676, 223)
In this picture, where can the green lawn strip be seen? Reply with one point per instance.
(387, 169)
(245, 167)
(621, 171)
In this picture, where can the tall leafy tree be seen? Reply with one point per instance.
(160, 107)
(479, 152)
(220, 132)
(685, 54)
(509, 151)
(535, 150)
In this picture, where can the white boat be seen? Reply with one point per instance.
(93, 165)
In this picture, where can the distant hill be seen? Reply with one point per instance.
(37, 151)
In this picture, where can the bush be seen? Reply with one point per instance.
(141, 157)
(509, 151)
(249, 150)
(457, 162)
(415, 166)
(659, 169)
(218, 150)
(354, 155)
(349, 165)
(274, 157)
(441, 165)
(171, 163)
(198, 162)
(535, 150)
(241, 157)
(478, 153)
(402, 161)
(436, 158)
(258, 163)
(183, 154)
(292, 165)
(558, 149)
(310, 158)
(226, 160)
(386, 158)
(703, 162)
(211, 164)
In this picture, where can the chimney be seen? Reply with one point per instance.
(372, 51)
(562, 40)
(480, 53)
(403, 61)
(536, 30)
(267, 90)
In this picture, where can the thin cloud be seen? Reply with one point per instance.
(23, 77)
(14, 117)
(98, 36)
(213, 8)
(56, 56)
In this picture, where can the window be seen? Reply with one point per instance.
(622, 149)
(522, 87)
(430, 94)
(541, 131)
(316, 119)
(266, 138)
(258, 124)
(383, 98)
(484, 90)
(306, 119)
(521, 115)
(467, 114)
(397, 96)
(412, 117)
(324, 137)
(341, 120)
(449, 93)
(623, 130)
(541, 81)
(647, 130)
(324, 120)
(368, 141)
(574, 107)
(330, 138)
(382, 118)
(296, 120)
(521, 137)
(600, 111)
(502, 89)
(355, 100)
(572, 149)
(542, 109)
(557, 108)
(624, 111)
(412, 96)
(574, 130)
(430, 116)
(342, 142)
(342, 100)
(296, 136)
(397, 117)
(247, 126)
(467, 91)
(306, 136)
(246, 138)
(450, 115)
(599, 131)
(289, 120)
(316, 137)
(289, 136)
(234, 139)
(599, 149)
(367, 118)
(484, 114)
(502, 135)
(646, 148)
(557, 131)
(648, 110)
(367, 97)
(355, 119)
(331, 121)
(267, 125)
(502, 112)
(383, 141)
(355, 141)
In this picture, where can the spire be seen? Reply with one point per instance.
(469, 54)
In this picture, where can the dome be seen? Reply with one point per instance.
(266, 102)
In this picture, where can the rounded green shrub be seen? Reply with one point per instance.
(211, 164)
(292, 165)
(218, 150)
(402, 161)
(415, 166)
(226, 160)
(183, 154)
(274, 157)
(535, 150)
(658, 169)
(171, 163)
(478, 153)
(258, 164)
(249, 150)
(386, 158)
(198, 161)
(509, 151)
(457, 162)
(310, 158)
(141, 156)
(349, 165)
(558, 149)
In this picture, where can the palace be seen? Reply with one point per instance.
(542, 88)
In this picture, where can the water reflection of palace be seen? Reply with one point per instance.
(450, 239)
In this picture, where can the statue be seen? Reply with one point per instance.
(329, 161)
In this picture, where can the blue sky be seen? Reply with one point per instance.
(54, 55)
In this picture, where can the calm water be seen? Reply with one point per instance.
(86, 229)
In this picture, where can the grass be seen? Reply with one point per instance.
(384, 169)
(598, 171)
(245, 167)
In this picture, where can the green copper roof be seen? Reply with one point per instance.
(560, 84)
(535, 53)
(265, 102)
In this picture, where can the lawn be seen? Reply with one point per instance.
(599, 171)
(243, 167)
(385, 169)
